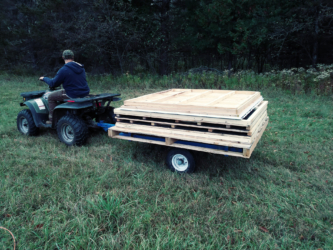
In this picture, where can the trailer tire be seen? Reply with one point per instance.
(180, 161)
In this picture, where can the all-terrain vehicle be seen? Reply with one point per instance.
(71, 118)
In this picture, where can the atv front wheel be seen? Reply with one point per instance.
(72, 130)
(25, 123)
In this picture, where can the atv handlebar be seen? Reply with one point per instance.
(50, 88)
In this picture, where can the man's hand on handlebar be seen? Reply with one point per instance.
(50, 88)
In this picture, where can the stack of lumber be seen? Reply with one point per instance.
(217, 121)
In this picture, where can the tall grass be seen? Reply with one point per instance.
(295, 81)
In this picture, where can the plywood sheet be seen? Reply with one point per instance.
(198, 119)
(196, 101)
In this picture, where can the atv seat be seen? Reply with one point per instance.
(33, 94)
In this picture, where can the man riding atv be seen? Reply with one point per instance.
(71, 111)
(73, 78)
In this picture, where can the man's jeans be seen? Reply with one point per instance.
(53, 98)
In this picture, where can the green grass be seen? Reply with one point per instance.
(114, 194)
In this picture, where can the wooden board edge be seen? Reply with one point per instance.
(160, 92)
(248, 102)
(202, 135)
(169, 141)
(259, 128)
(179, 137)
(112, 133)
(257, 112)
(186, 109)
(189, 118)
(246, 132)
(248, 152)
(258, 123)
(195, 148)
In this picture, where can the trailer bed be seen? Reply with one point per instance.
(214, 121)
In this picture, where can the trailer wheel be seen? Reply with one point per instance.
(180, 160)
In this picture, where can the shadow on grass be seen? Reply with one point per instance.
(206, 164)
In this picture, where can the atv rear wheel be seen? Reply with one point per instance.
(25, 123)
(72, 130)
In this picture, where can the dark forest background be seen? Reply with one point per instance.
(165, 36)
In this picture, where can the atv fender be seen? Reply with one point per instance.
(68, 107)
(74, 105)
(39, 118)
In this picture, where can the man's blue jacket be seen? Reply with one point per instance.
(72, 76)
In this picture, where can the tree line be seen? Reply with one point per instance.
(166, 36)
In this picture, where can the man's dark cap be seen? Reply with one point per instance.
(68, 54)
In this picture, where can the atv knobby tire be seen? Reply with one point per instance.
(72, 130)
(25, 123)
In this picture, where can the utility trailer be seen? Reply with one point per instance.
(223, 122)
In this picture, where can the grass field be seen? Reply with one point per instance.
(114, 194)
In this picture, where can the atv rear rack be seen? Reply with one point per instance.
(92, 98)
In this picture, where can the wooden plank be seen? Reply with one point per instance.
(188, 118)
(220, 98)
(186, 109)
(139, 140)
(253, 106)
(156, 95)
(256, 132)
(195, 148)
(206, 135)
(195, 96)
(169, 141)
(248, 152)
(262, 107)
(257, 123)
(223, 121)
(247, 102)
(112, 133)
(168, 97)
(187, 138)
(202, 137)
(186, 125)
(151, 95)
(229, 103)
